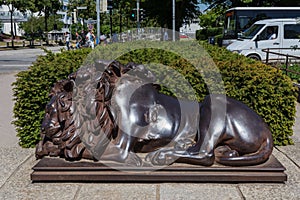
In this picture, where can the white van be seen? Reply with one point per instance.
(269, 33)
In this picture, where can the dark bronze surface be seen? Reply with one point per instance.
(113, 112)
(57, 169)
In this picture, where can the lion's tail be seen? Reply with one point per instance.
(255, 158)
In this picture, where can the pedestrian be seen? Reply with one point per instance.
(83, 40)
(67, 37)
(103, 40)
(166, 36)
(78, 40)
(90, 37)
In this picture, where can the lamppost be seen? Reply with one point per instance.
(138, 14)
(173, 19)
(98, 19)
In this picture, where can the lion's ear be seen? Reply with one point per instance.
(101, 65)
(68, 86)
(156, 86)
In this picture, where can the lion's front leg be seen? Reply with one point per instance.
(114, 153)
(120, 150)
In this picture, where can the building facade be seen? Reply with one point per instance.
(5, 20)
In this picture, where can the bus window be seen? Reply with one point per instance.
(243, 22)
(230, 22)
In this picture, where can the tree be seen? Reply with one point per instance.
(46, 8)
(89, 12)
(162, 11)
(13, 5)
(33, 27)
(212, 17)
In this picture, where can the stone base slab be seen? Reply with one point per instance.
(59, 170)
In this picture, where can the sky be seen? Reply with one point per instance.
(202, 7)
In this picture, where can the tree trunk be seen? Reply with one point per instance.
(12, 26)
(120, 31)
(46, 25)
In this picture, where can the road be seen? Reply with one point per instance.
(21, 59)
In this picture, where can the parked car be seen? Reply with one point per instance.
(183, 35)
(281, 34)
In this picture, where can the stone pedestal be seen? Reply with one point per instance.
(59, 170)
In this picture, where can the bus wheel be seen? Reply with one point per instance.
(254, 56)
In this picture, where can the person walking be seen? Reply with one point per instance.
(83, 40)
(78, 40)
(90, 37)
(67, 37)
(103, 40)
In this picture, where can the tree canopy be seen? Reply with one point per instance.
(162, 11)
(156, 10)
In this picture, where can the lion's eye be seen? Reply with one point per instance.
(153, 115)
(147, 118)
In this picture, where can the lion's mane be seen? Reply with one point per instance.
(78, 122)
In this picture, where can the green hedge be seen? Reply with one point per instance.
(267, 90)
(204, 34)
(32, 87)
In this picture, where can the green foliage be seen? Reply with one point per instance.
(162, 11)
(35, 26)
(265, 89)
(205, 33)
(32, 87)
(213, 17)
(294, 76)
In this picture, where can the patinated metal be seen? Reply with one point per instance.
(113, 112)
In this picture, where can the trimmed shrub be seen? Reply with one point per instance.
(32, 87)
(205, 33)
(266, 90)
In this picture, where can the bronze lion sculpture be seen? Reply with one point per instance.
(114, 111)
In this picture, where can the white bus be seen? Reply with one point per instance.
(239, 19)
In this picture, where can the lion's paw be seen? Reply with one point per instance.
(161, 157)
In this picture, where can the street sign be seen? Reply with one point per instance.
(91, 21)
(81, 7)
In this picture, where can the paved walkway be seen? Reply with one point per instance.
(16, 164)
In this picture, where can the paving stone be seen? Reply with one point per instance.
(292, 171)
(271, 191)
(11, 157)
(199, 191)
(19, 186)
(7, 130)
(296, 127)
(292, 151)
(117, 191)
(288, 190)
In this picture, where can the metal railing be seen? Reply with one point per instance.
(296, 59)
(286, 58)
